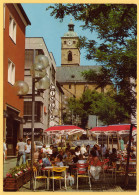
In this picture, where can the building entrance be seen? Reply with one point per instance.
(12, 131)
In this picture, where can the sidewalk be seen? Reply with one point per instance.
(9, 163)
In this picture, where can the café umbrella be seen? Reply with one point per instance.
(64, 130)
(116, 129)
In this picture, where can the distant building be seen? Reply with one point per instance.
(14, 26)
(69, 75)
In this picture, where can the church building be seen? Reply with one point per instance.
(69, 75)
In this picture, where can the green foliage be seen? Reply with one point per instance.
(105, 106)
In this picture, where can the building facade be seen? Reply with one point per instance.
(45, 101)
(14, 26)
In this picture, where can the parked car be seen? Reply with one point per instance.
(84, 142)
(38, 144)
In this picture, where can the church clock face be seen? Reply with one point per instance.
(69, 42)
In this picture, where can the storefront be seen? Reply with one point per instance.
(14, 130)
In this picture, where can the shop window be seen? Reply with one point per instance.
(70, 56)
(12, 29)
(11, 72)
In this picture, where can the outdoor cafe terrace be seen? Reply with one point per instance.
(83, 168)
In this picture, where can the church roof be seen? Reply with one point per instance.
(73, 73)
(70, 32)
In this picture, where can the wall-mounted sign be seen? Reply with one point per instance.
(52, 101)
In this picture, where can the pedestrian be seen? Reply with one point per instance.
(27, 137)
(4, 151)
(21, 151)
(28, 149)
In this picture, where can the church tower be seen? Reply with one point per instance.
(70, 53)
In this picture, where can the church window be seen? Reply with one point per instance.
(70, 56)
(74, 42)
(69, 86)
(64, 42)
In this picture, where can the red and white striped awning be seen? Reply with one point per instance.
(64, 130)
(113, 129)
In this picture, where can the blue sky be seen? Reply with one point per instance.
(44, 25)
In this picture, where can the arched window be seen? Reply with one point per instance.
(70, 56)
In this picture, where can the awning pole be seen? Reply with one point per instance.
(128, 155)
(97, 138)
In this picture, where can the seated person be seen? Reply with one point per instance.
(83, 150)
(55, 152)
(113, 156)
(66, 153)
(43, 149)
(40, 157)
(82, 161)
(107, 153)
(50, 150)
(36, 155)
(45, 160)
(87, 150)
(58, 161)
(77, 151)
(95, 165)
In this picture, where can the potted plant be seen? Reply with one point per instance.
(17, 177)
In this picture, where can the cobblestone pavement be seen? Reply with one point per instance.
(103, 185)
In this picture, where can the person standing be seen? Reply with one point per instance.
(21, 151)
(28, 149)
(103, 150)
(121, 141)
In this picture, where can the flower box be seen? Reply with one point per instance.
(27, 176)
(13, 184)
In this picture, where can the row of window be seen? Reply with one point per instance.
(12, 34)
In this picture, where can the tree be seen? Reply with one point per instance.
(105, 106)
(116, 25)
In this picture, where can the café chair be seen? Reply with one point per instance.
(120, 171)
(38, 176)
(58, 173)
(83, 172)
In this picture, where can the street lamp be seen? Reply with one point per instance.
(41, 82)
